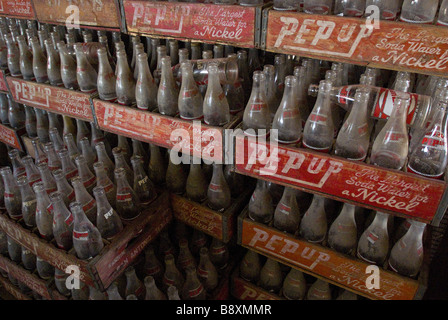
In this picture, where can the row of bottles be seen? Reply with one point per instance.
(286, 282)
(374, 237)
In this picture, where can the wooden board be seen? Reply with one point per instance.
(229, 24)
(244, 290)
(16, 9)
(220, 225)
(12, 289)
(11, 136)
(98, 13)
(321, 262)
(194, 138)
(3, 85)
(54, 99)
(394, 45)
(369, 186)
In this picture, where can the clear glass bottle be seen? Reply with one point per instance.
(419, 11)
(87, 240)
(388, 9)
(26, 59)
(120, 156)
(67, 164)
(442, 19)
(106, 81)
(68, 126)
(218, 193)
(14, 250)
(103, 180)
(190, 100)
(127, 201)
(54, 162)
(53, 65)
(87, 152)
(125, 84)
(113, 293)
(107, 220)
(343, 233)
(261, 208)
(176, 178)
(168, 92)
(72, 148)
(29, 202)
(13, 57)
(185, 259)
(87, 177)
(4, 106)
(313, 226)
(271, 278)
(152, 265)
(250, 266)
(192, 288)
(207, 272)
(68, 67)
(81, 132)
(156, 166)
(60, 278)
(86, 75)
(18, 167)
(44, 212)
(16, 114)
(196, 186)
(88, 203)
(319, 290)
(350, 8)
(143, 186)
(12, 196)
(287, 214)
(172, 275)
(42, 125)
(146, 88)
(257, 118)
(219, 253)
(373, 245)
(32, 173)
(215, 107)
(62, 222)
(152, 291)
(294, 285)
(64, 188)
(103, 157)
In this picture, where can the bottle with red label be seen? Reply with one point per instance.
(207, 272)
(87, 202)
(54, 122)
(106, 81)
(176, 178)
(107, 220)
(44, 212)
(272, 97)
(26, 59)
(104, 158)
(18, 167)
(317, 7)
(12, 196)
(156, 166)
(152, 291)
(168, 92)
(185, 259)
(294, 286)
(192, 288)
(86, 75)
(389, 9)
(81, 132)
(243, 72)
(152, 265)
(261, 208)
(196, 186)
(87, 152)
(54, 162)
(234, 92)
(133, 284)
(146, 88)
(42, 125)
(349, 8)
(120, 156)
(172, 275)
(373, 245)
(68, 127)
(271, 277)
(215, 108)
(190, 100)
(13, 56)
(218, 193)
(72, 148)
(301, 93)
(63, 187)
(87, 177)
(287, 214)
(32, 173)
(103, 180)
(28, 202)
(14, 250)
(313, 226)
(68, 166)
(429, 158)
(257, 118)
(219, 253)
(250, 266)
(353, 138)
(16, 114)
(62, 222)
(87, 240)
(406, 256)
(419, 11)
(138, 150)
(161, 52)
(287, 119)
(319, 128)
(319, 290)
(127, 201)
(68, 67)
(343, 234)
(53, 64)
(390, 148)
(143, 186)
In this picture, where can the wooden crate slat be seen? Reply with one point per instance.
(244, 290)
(22, 9)
(12, 289)
(11, 136)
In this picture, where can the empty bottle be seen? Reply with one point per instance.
(103, 180)
(32, 173)
(294, 285)
(68, 167)
(60, 278)
(390, 147)
(176, 178)
(260, 204)
(44, 269)
(257, 118)
(235, 94)
(62, 222)
(343, 234)
(72, 148)
(68, 67)
(42, 125)
(152, 266)
(193, 288)
(12, 196)
(185, 259)
(319, 128)
(4, 106)
(250, 266)
(97, 136)
(95, 294)
(190, 101)
(113, 293)
(167, 94)
(196, 186)
(28, 202)
(442, 19)
(143, 186)
(218, 253)
(87, 240)
(287, 213)
(16, 114)
(87, 202)
(152, 291)
(127, 202)
(86, 75)
(53, 65)
(63, 187)
(54, 162)
(350, 8)
(287, 119)
(156, 166)
(133, 284)
(419, 11)
(430, 157)
(53, 122)
(87, 177)
(146, 88)
(26, 59)
(14, 250)
(319, 290)
(313, 226)
(44, 212)
(107, 220)
(172, 275)
(388, 9)
(87, 152)
(207, 272)
(81, 132)
(103, 157)
(373, 245)
(18, 167)
(13, 56)
(39, 62)
(271, 278)
(68, 126)
(125, 83)
(215, 107)
(106, 82)
(218, 192)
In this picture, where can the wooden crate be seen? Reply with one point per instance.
(22, 9)
(11, 136)
(242, 289)
(12, 290)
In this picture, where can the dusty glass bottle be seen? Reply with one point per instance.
(107, 220)
(81, 132)
(87, 152)
(86, 74)
(168, 92)
(68, 126)
(4, 106)
(319, 290)
(127, 201)
(133, 284)
(215, 107)
(152, 291)
(32, 173)
(18, 167)
(106, 81)
(67, 164)
(68, 67)
(29, 202)
(103, 180)
(192, 288)
(218, 193)
(373, 245)
(87, 177)
(176, 178)
(64, 188)
(287, 214)
(294, 285)
(313, 226)
(16, 114)
(196, 186)
(218, 253)
(190, 100)
(53, 122)
(271, 278)
(172, 276)
(30, 122)
(14, 250)
(60, 278)
(146, 88)
(87, 240)
(26, 59)
(53, 65)
(87, 202)
(113, 293)
(120, 155)
(250, 266)
(103, 157)
(13, 57)
(343, 234)
(152, 266)
(39, 62)
(12, 196)
(42, 125)
(72, 148)
(185, 259)
(156, 166)
(62, 222)
(272, 97)
(143, 186)
(54, 162)
(125, 84)
(44, 212)
(406, 256)
(207, 272)
(257, 118)
(260, 204)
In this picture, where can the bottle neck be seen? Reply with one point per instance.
(101, 200)
(103, 64)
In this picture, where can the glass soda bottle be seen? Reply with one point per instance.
(14, 250)
(87, 177)
(103, 180)
(16, 114)
(32, 173)
(125, 83)
(350, 8)
(373, 245)
(176, 178)
(193, 288)
(190, 101)
(44, 212)
(218, 253)
(419, 11)
(250, 266)
(272, 97)
(120, 156)
(30, 122)
(156, 166)
(294, 285)
(185, 259)
(13, 57)
(87, 152)
(87, 240)
(12, 196)
(388, 9)
(146, 88)
(127, 201)
(28, 202)
(152, 291)
(113, 293)
(133, 284)
(319, 290)
(287, 119)
(172, 275)
(72, 148)
(42, 125)
(271, 278)
(106, 81)
(53, 65)
(86, 75)
(67, 165)
(62, 222)
(107, 220)
(353, 138)
(18, 167)
(442, 19)
(168, 93)
(196, 186)
(215, 107)
(319, 128)
(68, 67)
(104, 158)
(143, 187)
(257, 118)
(26, 59)
(390, 147)
(85, 199)
(207, 272)
(343, 234)
(63, 187)
(234, 93)
(287, 213)
(260, 204)
(218, 192)
(313, 226)
(152, 265)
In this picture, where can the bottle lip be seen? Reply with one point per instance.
(55, 196)
(58, 173)
(75, 204)
(38, 186)
(22, 180)
(98, 190)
